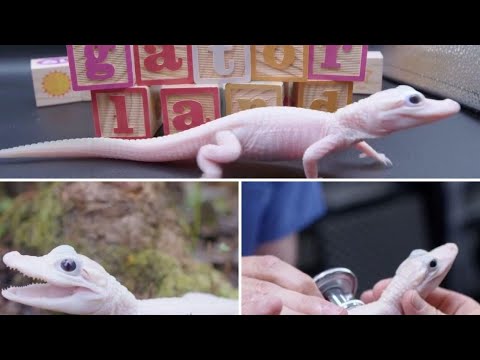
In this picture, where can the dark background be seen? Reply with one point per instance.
(443, 150)
(372, 227)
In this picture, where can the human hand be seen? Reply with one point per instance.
(439, 302)
(271, 286)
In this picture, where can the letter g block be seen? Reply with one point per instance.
(99, 67)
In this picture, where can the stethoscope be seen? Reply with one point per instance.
(339, 285)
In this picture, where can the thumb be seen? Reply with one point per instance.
(414, 304)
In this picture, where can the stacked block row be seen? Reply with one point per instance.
(133, 86)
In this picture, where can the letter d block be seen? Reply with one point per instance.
(326, 96)
(127, 113)
(279, 62)
(187, 106)
(163, 64)
(337, 62)
(239, 97)
(220, 64)
(98, 67)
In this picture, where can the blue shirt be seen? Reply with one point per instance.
(273, 210)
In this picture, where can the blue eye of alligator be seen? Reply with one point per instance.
(68, 265)
(414, 99)
(433, 263)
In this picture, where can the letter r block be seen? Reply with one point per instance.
(124, 113)
(97, 67)
(279, 62)
(163, 64)
(337, 62)
(187, 106)
(220, 64)
(326, 96)
(239, 97)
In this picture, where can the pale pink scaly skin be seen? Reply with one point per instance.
(90, 290)
(415, 273)
(265, 134)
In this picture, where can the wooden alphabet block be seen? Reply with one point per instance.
(124, 113)
(52, 84)
(187, 106)
(279, 62)
(322, 95)
(373, 75)
(240, 97)
(337, 62)
(220, 64)
(163, 64)
(98, 67)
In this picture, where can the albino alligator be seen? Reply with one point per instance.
(78, 285)
(422, 271)
(268, 134)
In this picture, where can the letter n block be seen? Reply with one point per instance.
(126, 113)
(187, 106)
(326, 96)
(337, 62)
(163, 64)
(97, 67)
(220, 64)
(279, 62)
(239, 97)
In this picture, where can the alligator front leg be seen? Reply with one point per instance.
(227, 149)
(367, 150)
(317, 151)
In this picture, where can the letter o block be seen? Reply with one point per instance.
(188, 106)
(239, 97)
(220, 64)
(127, 113)
(337, 62)
(163, 64)
(279, 62)
(326, 96)
(97, 67)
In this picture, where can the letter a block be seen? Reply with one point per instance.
(97, 67)
(127, 113)
(187, 106)
(326, 96)
(337, 62)
(279, 62)
(220, 64)
(163, 64)
(240, 97)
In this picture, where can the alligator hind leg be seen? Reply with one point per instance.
(227, 149)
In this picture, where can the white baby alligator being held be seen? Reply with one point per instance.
(265, 134)
(75, 284)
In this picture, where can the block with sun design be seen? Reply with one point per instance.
(52, 84)
(125, 113)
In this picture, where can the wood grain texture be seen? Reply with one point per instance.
(240, 97)
(373, 75)
(296, 71)
(323, 95)
(184, 75)
(120, 58)
(204, 69)
(140, 114)
(351, 65)
(207, 96)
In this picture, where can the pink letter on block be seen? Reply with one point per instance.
(98, 67)
(337, 62)
(163, 64)
(185, 107)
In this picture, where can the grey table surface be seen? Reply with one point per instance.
(447, 149)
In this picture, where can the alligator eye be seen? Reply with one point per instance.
(68, 265)
(414, 99)
(433, 264)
